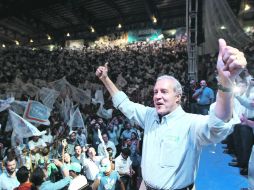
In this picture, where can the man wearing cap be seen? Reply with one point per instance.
(72, 141)
(107, 177)
(79, 181)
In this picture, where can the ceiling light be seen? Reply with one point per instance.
(154, 19)
(3, 46)
(246, 7)
(92, 29)
(222, 27)
(119, 26)
(31, 41)
(49, 38)
(68, 34)
(17, 42)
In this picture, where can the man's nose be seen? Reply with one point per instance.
(157, 95)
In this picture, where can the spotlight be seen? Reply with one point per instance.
(119, 26)
(246, 7)
(68, 34)
(154, 19)
(222, 27)
(92, 29)
(31, 41)
(3, 46)
(17, 42)
(49, 38)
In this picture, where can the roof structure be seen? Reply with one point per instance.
(23, 20)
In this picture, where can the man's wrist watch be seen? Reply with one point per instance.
(224, 89)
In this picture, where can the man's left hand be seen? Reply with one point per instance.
(230, 63)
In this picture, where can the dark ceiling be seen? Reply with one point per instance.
(23, 20)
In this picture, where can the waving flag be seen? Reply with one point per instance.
(48, 96)
(4, 104)
(76, 120)
(98, 97)
(19, 106)
(23, 127)
(102, 112)
(36, 112)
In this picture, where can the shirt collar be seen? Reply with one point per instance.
(177, 112)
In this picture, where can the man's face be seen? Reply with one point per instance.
(78, 150)
(35, 138)
(105, 138)
(91, 152)
(73, 137)
(11, 166)
(164, 98)
(203, 83)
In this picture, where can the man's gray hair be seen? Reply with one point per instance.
(177, 86)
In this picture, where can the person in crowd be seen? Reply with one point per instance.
(36, 146)
(48, 138)
(123, 165)
(104, 145)
(126, 134)
(40, 180)
(168, 130)
(91, 165)
(81, 138)
(192, 101)
(244, 138)
(72, 141)
(204, 96)
(95, 136)
(79, 181)
(107, 178)
(77, 155)
(23, 175)
(8, 179)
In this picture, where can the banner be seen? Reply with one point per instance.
(48, 96)
(23, 127)
(81, 96)
(106, 114)
(19, 106)
(4, 104)
(98, 98)
(36, 112)
(30, 89)
(121, 82)
(76, 120)
(65, 108)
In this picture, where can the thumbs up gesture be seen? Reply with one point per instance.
(102, 71)
(230, 63)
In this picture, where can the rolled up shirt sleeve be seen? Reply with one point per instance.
(130, 109)
(216, 129)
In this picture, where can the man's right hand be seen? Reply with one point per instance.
(102, 71)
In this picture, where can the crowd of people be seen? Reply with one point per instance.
(106, 154)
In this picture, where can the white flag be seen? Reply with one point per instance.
(48, 96)
(19, 106)
(98, 97)
(23, 127)
(106, 114)
(4, 104)
(76, 119)
(121, 82)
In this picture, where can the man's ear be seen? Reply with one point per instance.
(178, 98)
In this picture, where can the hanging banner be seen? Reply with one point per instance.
(36, 112)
